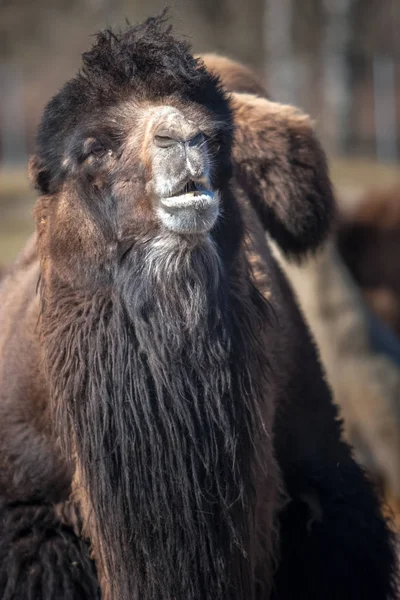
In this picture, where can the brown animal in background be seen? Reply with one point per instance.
(139, 387)
(235, 75)
(369, 243)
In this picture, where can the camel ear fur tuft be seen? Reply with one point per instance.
(280, 164)
(38, 175)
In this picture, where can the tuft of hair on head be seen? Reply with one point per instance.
(137, 53)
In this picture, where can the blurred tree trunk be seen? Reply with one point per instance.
(280, 62)
(336, 73)
(12, 115)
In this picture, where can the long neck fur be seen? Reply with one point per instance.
(157, 384)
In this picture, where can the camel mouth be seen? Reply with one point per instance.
(193, 209)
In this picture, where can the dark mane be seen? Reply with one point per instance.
(169, 382)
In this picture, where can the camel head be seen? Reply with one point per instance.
(135, 148)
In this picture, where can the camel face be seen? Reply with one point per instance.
(150, 166)
(129, 153)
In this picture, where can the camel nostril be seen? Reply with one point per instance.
(197, 140)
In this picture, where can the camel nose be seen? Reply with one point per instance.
(169, 137)
(180, 151)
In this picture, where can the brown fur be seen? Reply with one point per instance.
(279, 162)
(369, 242)
(365, 384)
(235, 76)
(146, 404)
(379, 425)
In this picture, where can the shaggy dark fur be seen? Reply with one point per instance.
(334, 543)
(289, 186)
(139, 386)
(43, 557)
(168, 445)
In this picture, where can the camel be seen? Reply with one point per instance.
(368, 242)
(166, 428)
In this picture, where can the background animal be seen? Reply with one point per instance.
(236, 76)
(161, 395)
(369, 242)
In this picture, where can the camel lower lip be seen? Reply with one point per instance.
(193, 212)
(193, 200)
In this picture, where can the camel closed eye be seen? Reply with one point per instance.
(94, 148)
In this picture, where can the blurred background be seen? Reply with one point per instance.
(338, 60)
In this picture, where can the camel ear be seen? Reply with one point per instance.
(234, 76)
(281, 166)
(38, 175)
